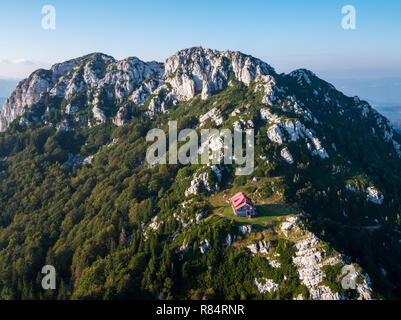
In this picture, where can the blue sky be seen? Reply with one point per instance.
(286, 34)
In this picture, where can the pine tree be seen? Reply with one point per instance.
(62, 292)
(123, 237)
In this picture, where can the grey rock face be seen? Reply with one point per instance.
(30, 90)
(121, 117)
(197, 70)
(181, 77)
(27, 93)
(120, 79)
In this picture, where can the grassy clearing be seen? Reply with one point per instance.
(268, 210)
(266, 214)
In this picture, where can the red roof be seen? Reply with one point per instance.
(239, 200)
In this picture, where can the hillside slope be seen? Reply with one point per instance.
(76, 192)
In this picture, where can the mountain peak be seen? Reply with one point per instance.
(189, 72)
(185, 74)
(304, 77)
(315, 149)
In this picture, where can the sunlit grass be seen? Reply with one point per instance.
(265, 214)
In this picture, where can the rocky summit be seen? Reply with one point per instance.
(181, 77)
(77, 193)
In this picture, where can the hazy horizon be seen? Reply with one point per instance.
(365, 61)
(287, 35)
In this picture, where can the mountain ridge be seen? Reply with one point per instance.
(182, 76)
(77, 193)
(28, 91)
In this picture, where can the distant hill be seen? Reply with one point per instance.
(397, 127)
(376, 91)
(393, 113)
(2, 100)
(7, 86)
